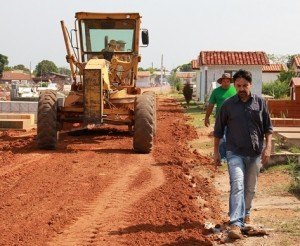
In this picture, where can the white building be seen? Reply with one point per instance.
(270, 72)
(212, 64)
(143, 79)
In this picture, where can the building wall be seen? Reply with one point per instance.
(197, 97)
(268, 77)
(143, 82)
(215, 72)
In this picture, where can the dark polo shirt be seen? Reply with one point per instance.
(246, 122)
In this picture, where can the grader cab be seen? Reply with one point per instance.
(104, 64)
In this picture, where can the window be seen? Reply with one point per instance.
(107, 35)
(231, 72)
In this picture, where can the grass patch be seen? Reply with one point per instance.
(177, 96)
(203, 145)
(295, 186)
(282, 167)
(294, 149)
(292, 227)
(195, 111)
(293, 168)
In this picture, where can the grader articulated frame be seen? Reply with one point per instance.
(104, 64)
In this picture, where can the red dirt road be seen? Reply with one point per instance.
(94, 190)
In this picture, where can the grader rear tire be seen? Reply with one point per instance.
(47, 120)
(143, 125)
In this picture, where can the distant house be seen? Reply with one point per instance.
(15, 77)
(270, 72)
(296, 64)
(160, 77)
(143, 79)
(56, 78)
(212, 64)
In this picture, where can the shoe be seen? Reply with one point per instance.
(247, 219)
(235, 232)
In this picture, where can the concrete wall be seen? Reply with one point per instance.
(215, 72)
(19, 107)
(268, 77)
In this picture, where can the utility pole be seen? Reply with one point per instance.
(161, 69)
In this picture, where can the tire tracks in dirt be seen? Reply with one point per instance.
(12, 173)
(97, 225)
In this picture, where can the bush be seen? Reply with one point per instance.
(277, 89)
(178, 86)
(188, 92)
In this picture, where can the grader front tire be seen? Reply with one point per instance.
(47, 120)
(152, 102)
(143, 125)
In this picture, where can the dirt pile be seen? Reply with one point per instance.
(176, 211)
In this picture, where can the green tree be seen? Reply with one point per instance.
(64, 70)
(175, 81)
(186, 67)
(45, 66)
(21, 67)
(7, 68)
(286, 76)
(183, 68)
(3, 62)
(277, 89)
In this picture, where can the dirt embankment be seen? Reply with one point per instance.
(95, 191)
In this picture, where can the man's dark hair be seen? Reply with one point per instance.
(243, 74)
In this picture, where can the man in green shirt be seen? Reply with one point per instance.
(218, 96)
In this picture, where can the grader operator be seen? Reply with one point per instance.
(104, 63)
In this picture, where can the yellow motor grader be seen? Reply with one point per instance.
(103, 53)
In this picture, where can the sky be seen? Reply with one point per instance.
(179, 29)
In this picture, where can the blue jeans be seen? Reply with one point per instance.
(222, 145)
(243, 173)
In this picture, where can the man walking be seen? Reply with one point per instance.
(218, 96)
(248, 122)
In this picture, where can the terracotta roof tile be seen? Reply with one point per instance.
(11, 75)
(233, 58)
(271, 68)
(195, 64)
